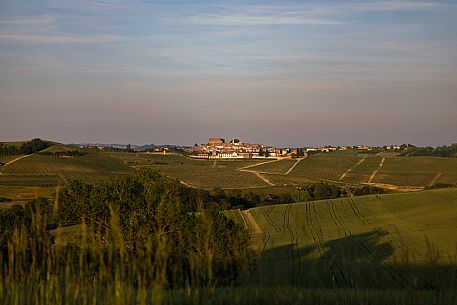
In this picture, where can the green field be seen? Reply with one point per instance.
(418, 171)
(329, 166)
(205, 174)
(37, 175)
(396, 173)
(91, 166)
(396, 240)
(404, 173)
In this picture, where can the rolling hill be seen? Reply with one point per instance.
(30, 176)
(402, 240)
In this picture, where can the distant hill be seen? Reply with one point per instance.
(88, 164)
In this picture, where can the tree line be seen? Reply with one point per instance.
(440, 151)
(146, 229)
(236, 199)
(25, 148)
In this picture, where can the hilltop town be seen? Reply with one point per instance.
(219, 148)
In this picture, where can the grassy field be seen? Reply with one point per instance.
(402, 173)
(37, 175)
(91, 166)
(352, 168)
(329, 166)
(385, 241)
(396, 173)
(418, 171)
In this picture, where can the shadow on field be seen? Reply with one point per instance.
(354, 261)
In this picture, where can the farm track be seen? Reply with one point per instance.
(250, 222)
(396, 275)
(294, 251)
(266, 238)
(15, 160)
(294, 165)
(376, 171)
(352, 168)
(437, 176)
(257, 164)
(263, 178)
(269, 220)
(334, 266)
(259, 174)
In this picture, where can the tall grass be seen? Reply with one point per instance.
(100, 267)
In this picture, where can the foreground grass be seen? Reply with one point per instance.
(57, 291)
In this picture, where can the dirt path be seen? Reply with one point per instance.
(187, 184)
(350, 170)
(15, 160)
(264, 179)
(257, 164)
(258, 174)
(295, 164)
(250, 222)
(214, 164)
(435, 179)
(377, 170)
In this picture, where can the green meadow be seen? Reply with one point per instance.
(391, 241)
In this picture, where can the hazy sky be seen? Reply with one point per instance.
(290, 73)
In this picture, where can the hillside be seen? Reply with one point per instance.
(386, 171)
(197, 173)
(396, 240)
(31, 176)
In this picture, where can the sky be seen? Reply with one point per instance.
(282, 73)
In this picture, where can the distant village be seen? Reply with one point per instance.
(219, 148)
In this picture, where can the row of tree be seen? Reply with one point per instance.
(440, 151)
(25, 148)
(233, 199)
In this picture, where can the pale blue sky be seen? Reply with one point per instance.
(290, 73)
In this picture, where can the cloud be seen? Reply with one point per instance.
(29, 20)
(236, 19)
(59, 38)
(46, 29)
(392, 5)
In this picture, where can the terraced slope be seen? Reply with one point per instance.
(92, 166)
(417, 171)
(37, 175)
(205, 174)
(402, 173)
(394, 241)
(326, 166)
